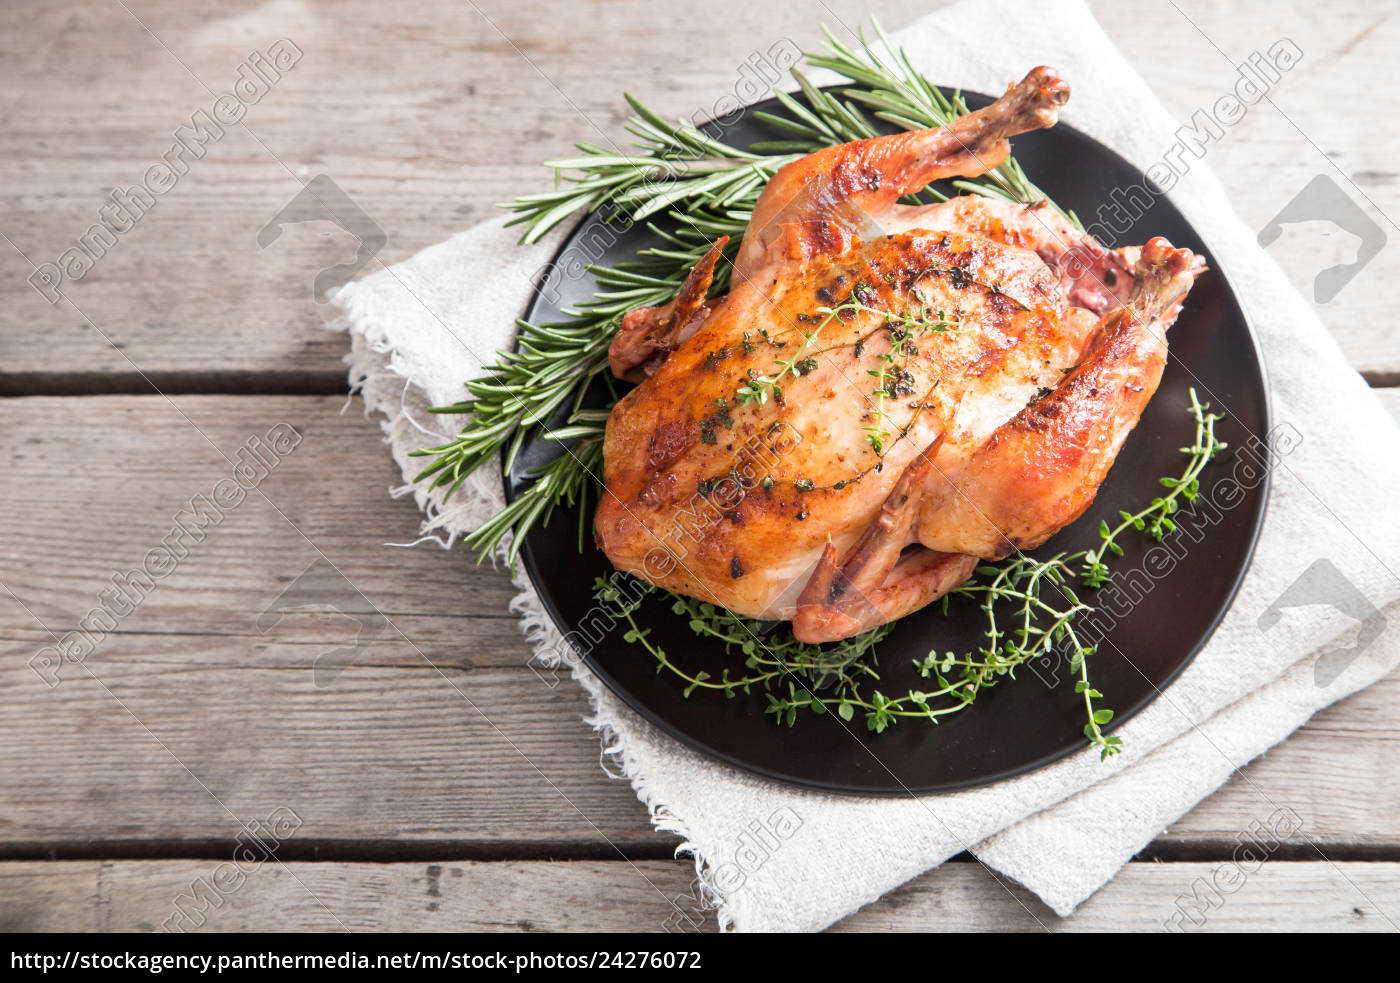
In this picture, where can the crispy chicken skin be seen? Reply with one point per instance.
(886, 393)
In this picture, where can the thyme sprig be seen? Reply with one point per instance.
(769, 657)
(891, 370)
(688, 186)
(1038, 623)
(1031, 606)
(1155, 519)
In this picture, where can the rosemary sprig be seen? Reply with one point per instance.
(887, 84)
(689, 187)
(678, 164)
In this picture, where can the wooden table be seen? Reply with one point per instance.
(120, 786)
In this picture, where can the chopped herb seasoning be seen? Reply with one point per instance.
(714, 358)
(903, 96)
(722, 418)
(898, 382)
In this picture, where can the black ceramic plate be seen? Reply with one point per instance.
(1021, 724)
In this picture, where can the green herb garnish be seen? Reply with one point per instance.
(1031, 607)
(703, 188)
(690, 188)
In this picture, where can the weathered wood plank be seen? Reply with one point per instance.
(141, 896)
(1144, 897)
(389, 752)
(1337, 772)
(449, 119)
(142, 460)
(397, 756)
(240, 706)
(1280, 145)
(489, 760)
(443, 117)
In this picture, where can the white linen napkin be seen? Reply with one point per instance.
(422, 327)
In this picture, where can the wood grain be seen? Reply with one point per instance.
(427, 119)
(439, 739)
(437, 742)
(657, 896)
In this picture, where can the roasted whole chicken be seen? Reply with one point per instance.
(887, 392)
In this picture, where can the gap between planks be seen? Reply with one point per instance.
(231, 382)
(1209, 850)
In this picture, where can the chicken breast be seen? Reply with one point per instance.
(887, 393)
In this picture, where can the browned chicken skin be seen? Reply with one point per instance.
(886, 393)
